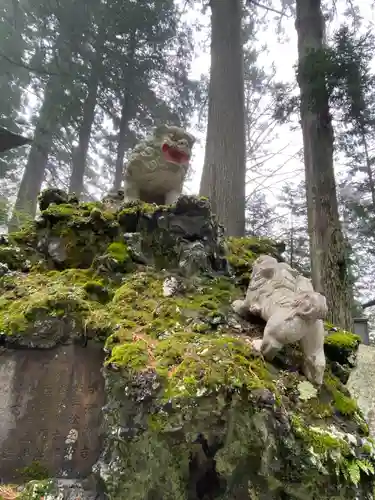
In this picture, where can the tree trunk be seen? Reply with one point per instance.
(33, 176)
(327, 248)
(122, 142)
(370, 175)
(223, 178)
(126, 109)
(80, 154)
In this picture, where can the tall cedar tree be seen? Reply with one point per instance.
(223, 178)
(327, 247)
(13, 78)
(47, 126)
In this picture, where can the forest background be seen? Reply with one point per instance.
(88, 79)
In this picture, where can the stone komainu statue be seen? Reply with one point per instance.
(158, 166)
(293, 311)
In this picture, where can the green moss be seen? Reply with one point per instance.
(196, 365)
(344, 340)
(25, 236)
(129, 216)
(340, 347)
(211, 380)
(341, 398)
(96, 290)
(317, 409)
(132, 355)
(119, 251)
(89, 206)
(76, 212)
(188, 362)
(35, 471)
(242, 252)
(140, 300)
(321, 441)
(12, 256)
(53, 294)
(61, 212)
(85, 230)
(140, 207)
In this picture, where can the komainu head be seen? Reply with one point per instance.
(310, 305)
(175, 144)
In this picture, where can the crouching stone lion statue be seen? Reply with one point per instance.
(293, 311)
(157, 166)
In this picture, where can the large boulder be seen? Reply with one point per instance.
(192, 411)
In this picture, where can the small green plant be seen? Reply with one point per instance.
(37, 489)
(34, 471)
(351, 469)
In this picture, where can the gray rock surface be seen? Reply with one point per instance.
(361, 384)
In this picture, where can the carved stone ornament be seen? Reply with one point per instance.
(158, 166)
(293, 311)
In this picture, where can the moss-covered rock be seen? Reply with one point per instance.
(193, 412)
(206, 415)
(242, 252)
(341, 349)
(45, 309)
(13, 258)
(49, 488)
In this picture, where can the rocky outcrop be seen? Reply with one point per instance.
(192, 411)
(361, 384)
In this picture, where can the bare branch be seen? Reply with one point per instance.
(271, 221)
(370, 303)
(267, 8)
(21, 64)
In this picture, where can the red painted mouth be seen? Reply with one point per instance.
(174, 155)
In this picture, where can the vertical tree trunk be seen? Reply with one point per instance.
(122, 142)
(32, 179)
(327, 247)
(126, 109)
(370, 175)
(89, 105)
(223, 178)
(80, 154)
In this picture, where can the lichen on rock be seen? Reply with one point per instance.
(192, 411)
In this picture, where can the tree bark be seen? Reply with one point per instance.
(80, 154)
(126, 109)
(223, 178)
(327, 247)
(32, 179)
(370, 175)
(122, 144)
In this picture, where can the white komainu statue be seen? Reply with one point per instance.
(293, 311)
